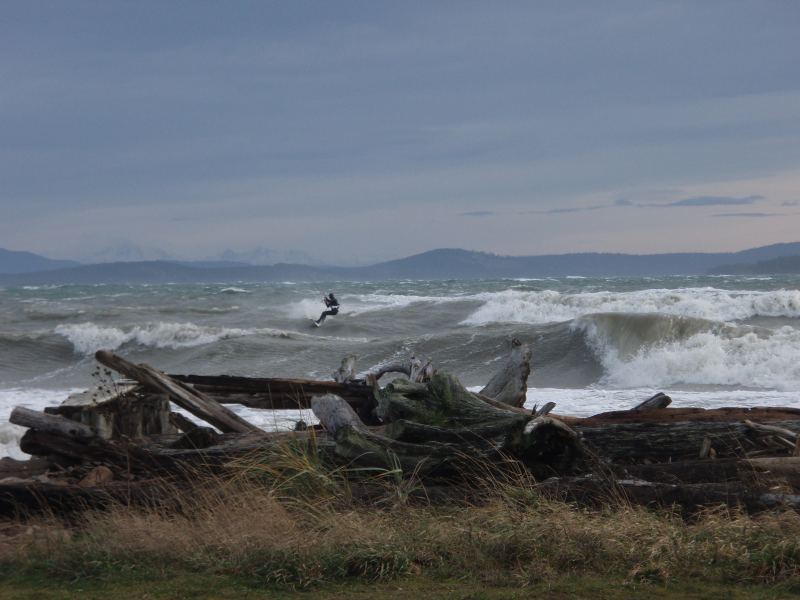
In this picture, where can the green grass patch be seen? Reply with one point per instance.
(166, 585)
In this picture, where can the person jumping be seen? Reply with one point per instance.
(332, 304)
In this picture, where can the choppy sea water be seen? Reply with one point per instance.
(598, 344)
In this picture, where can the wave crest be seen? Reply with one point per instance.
(86, 338)
(655, 350)
(536, 307)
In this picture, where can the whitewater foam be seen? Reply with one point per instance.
(548, 306)
(86, 338)
(364, 303)
(731, 357)
(34, 399)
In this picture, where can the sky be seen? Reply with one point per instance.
(362, 131)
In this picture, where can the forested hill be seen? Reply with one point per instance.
(784, 265)
(15, 261)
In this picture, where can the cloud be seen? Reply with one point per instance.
(753, 215)
(623, 202)
(559, 211)
(478, 214)
(791, 203)
(710, 201)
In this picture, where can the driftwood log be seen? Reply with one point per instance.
(438, 422)
(659, 400)
(510, 384)
(131, 412)
(182, 394)
(669, 442)
(426, 425)
(690, 497)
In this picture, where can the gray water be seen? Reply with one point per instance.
(597, 343)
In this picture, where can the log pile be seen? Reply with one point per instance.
(95, 448)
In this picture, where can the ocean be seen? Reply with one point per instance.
(598, 344)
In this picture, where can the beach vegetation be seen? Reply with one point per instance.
(285, 521)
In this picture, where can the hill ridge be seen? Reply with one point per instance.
(439, 263)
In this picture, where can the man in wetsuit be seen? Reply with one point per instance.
(332, 305)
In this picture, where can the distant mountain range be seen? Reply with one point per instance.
(14, 261)
(782, 265)
(435, 264)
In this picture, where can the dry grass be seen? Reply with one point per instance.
(284, 520)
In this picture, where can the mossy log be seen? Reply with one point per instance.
(439, 421)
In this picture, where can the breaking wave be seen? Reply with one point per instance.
(658, 350)
(87, 338)
(533, 307)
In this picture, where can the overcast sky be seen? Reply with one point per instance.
(359, 131)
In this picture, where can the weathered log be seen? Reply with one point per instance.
(124, 457)
(706, 449)
(689, 497)
(442, 410)
(545, 410)
(130, 413)
(417, 369)
(379, 371)
(22, 469)
(357, 445)
(334, 413)
(421, 370)
(672, 441)
(673, 415)
(786, 468)
(760, 428)
(182, 423)
(764, 472)
(510, 384)
(442, 401)
(199, 437)
(182, 394)
(659, 400)
(50, 423)
(276, 393)
(26, 497)
(691, 471)
(364, 448)
(233, 446)
(347, 370)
